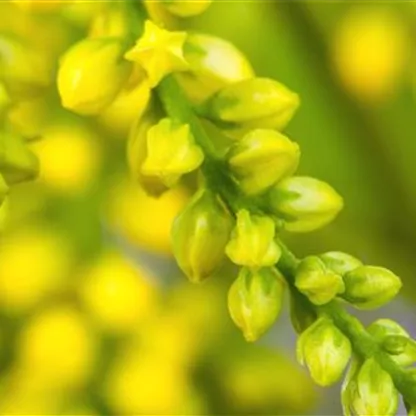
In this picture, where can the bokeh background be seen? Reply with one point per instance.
(95, 318)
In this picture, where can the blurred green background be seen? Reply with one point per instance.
(95, 317)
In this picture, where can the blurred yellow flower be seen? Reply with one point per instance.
(144, 220)
(57, 348)
(69, 157)
(369, 50)
(118, 294)
(146, 383)
(33, 264)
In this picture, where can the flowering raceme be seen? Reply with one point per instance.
(205, 123)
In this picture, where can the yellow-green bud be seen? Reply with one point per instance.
(213, 63)
(369, 287)
(171, 152)
(112, 21)
(339, 262)
(137, 153)
(262, 158)
(186, 8)
(305, 203)
(255, 300)
(4, 189)
(325, 350)
(302, 313)
(370, 391)
(395, 340)
(24, 70)
(199, 236)
(91, 74)
(159, 52)
(252, 241)
(253, 103)
(316, 281)
(17, 162)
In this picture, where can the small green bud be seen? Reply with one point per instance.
(137, 153)
(4, 189)
(370, 391)
(186, 8)
(17, 162)
(252, 241)
(199, 236)
(262, 158)
(369, 287)
(339, 262)
(253, 103)
(395, 340)
(255, 300)
(171, 152)
(302, 313)
(317, 282)
(325, 350)
(213, 64)
(305, 203)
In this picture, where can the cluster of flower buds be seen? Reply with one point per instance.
(335, 274)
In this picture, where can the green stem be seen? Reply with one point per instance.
(217, 178)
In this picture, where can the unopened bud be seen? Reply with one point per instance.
(17, 162)
(171, 152)
(318, 283)
(395, 340)
(255, 300)
(262, 158)
(112, 21)
(304, 203)
(213, 64)
(91, 74)
(252, 103)
(186, 8)
(159, 52)
(339, 262)
(370, 391)
(369, 287)
(325, 350)
(199, 236)
(252, 241)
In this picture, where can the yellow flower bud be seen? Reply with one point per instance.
(340, 263)
(186, 8)
(171, 152)
(369, 287)
(91, 74)
(317, 282)
(369, 390)
(137, 153)
(252, 241)
(200, 234)
(325, 350)
(305, 203)
(4, 189)
(252, 103)
(395, 340)
(159, 52)
(17, 162)
(262, 158)
(25, 70)
(255, 300)
(213, 63)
